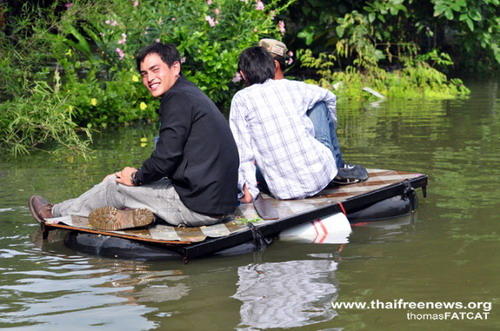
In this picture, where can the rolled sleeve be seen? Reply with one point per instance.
(242, 135)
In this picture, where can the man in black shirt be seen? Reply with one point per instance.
(191, 176)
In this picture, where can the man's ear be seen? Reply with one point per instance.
(176, 67)
(276, 65)
(243, 76)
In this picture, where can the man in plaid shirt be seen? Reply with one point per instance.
(271, 128)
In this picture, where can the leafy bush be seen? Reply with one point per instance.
(209, 35)
(44, 116)
(393, 69)
(468, 30)
(417, 80)
(89, 47)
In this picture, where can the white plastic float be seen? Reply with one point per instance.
(333, 229)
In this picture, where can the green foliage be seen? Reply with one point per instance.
(393, 68)
(85, 58)
(417, 80)
(209, 36)
(358, 41)
(15, 69)
(468, 30)
(98, 101)
(244, 220)
(30, 121)
(476, 28)
(11, 76)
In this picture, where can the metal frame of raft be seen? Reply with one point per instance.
(382, 184)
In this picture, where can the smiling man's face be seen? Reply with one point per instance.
(157, 76)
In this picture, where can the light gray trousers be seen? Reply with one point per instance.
(160, 197)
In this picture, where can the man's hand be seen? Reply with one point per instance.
(247, 197)
(123, 177)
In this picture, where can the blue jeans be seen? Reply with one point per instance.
(325, 130)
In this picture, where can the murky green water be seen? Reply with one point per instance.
(448, 251)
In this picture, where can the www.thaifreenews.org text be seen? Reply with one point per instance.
(444, 310)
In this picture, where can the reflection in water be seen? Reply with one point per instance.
(54, 290)
(286, 294)
(386, 230)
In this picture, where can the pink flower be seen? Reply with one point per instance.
(115, 23)
(290, 55)
(107, 22)
(120, 53)
(281, 26)
(236, 78)
(123, 40)
(209, 2)
(136, 3)
(259, 5)
(68, 5)
(157, 40)
(210, 20)
(217, 11)
(183, 59)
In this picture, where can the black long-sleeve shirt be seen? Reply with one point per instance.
(195, 150)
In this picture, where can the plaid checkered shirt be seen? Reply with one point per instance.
(271, 129)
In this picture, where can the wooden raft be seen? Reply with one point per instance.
(380, 185)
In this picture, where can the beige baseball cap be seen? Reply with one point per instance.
(274, 46)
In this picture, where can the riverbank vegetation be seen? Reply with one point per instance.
(68, 68)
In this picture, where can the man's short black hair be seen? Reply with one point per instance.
(257, 64)
(282, 61)
(167, 52)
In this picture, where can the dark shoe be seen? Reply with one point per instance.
(110, 218)
(350, 174)
(40, 208)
